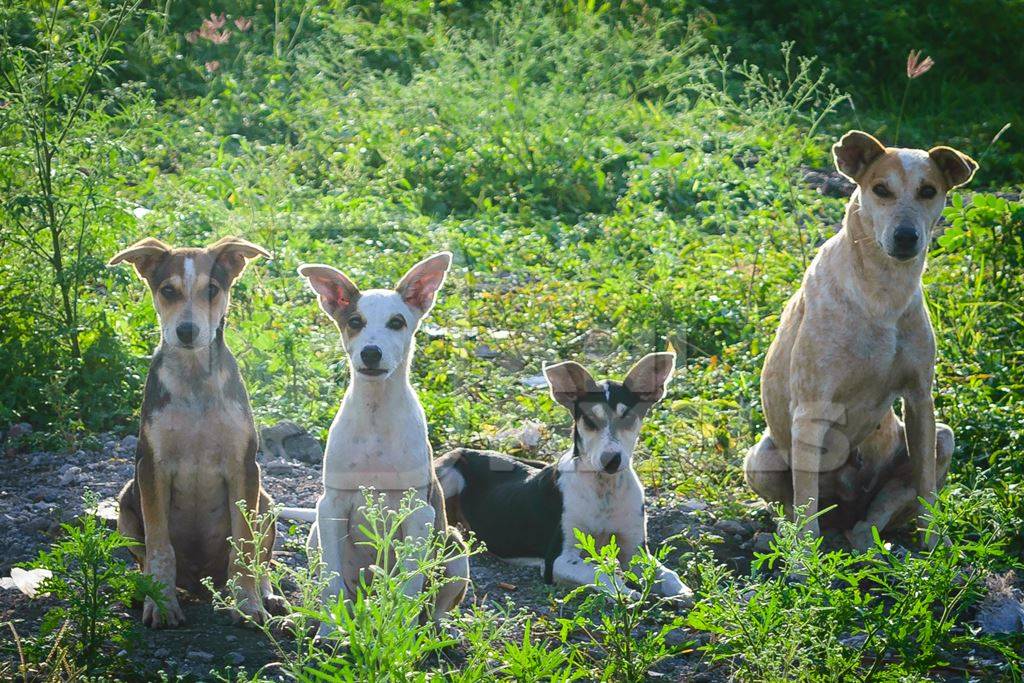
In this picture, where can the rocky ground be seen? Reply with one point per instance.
(41, 489)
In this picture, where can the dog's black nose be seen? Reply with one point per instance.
(371, 356)
(611, 461)
(187, 332)
(904, 239)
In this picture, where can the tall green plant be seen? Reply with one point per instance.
(61, 147)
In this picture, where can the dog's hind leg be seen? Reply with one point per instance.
(766, 470)
(896, 503)
(129, 522)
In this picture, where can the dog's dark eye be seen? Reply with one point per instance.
(587, 422)
(168, 292)
(396, 323)
(356, 323)
(926, 192)
(212, 291)
(882, 191)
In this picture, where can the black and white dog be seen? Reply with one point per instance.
(527, 511)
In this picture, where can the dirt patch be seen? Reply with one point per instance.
(39, 490)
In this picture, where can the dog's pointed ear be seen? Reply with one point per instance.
(419, 286)
(234, 253)
(957, 168)
(335, 291)
(854, 153)
(647, 379)
(144, 255)
(569, 382)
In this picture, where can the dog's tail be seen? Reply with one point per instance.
(298, 514)
(447, 469)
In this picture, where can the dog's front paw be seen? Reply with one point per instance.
(169, 618)
(249, 610)
(860, 537)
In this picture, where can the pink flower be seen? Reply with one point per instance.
(917, 67)
(243, 24)
(216, 21)
(212, 66)
(220, 38)
(192, 37)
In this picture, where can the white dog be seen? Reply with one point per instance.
(379, 437)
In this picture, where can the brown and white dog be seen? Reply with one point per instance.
(855, 337)
(196, 456)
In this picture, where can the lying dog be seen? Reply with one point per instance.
(196, 455)
(528, 511)
(855, 337)
(379, 437)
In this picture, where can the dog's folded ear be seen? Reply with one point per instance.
(854, 153)
(234, 253)
(957, 168)
(569, 382)
(335, 291)
(419, 286)
(144, 255)
(647, 379)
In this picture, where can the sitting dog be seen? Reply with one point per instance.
(853, 338)
(379, 437)
(196, 455)
(529, 511)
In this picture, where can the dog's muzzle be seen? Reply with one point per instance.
(187, 333)
(371, 357)
(611, 462)
(906, 243)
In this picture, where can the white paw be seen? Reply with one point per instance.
(173, 616)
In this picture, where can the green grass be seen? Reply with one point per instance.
(610, 179)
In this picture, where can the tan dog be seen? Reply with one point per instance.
(852, 340)
(197, 443)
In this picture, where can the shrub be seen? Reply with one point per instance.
(92, 587)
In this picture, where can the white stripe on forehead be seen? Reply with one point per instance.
(915, 162)
(190, 273)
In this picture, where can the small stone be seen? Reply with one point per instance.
(762, 541)
(161, 653)
(731, 527)
(287, 440)
(129, 443)
(69, 476)
(37, 524)
(692, 505)
(278, 467)
(200, 655)
(236, 658)
(535, 381)
(19, 430)
(484, 351)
